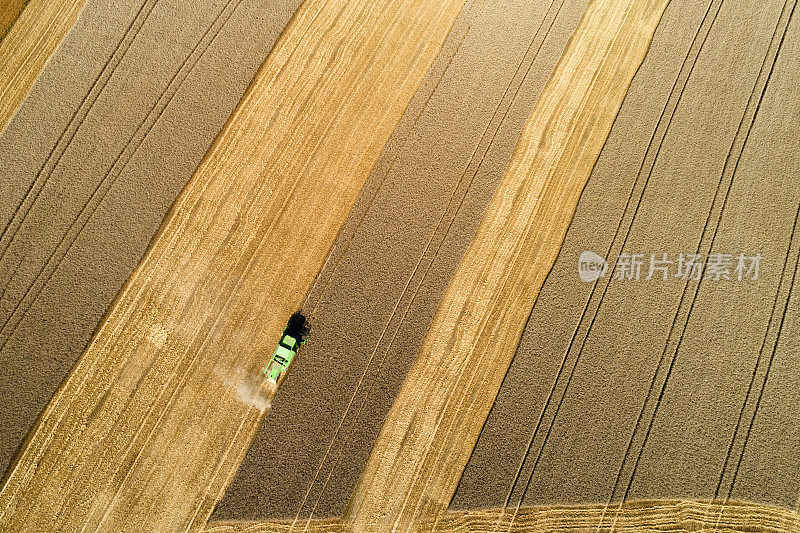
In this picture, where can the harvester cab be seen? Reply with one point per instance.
(294, 336)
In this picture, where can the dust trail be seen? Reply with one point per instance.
(250, 388)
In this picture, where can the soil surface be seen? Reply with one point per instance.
(626, 389)
(153, 421)
(108, 136)
(376, 297)
(620, 389)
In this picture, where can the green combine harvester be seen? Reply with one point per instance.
(293, 337)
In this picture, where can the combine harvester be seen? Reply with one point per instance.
(293, 337)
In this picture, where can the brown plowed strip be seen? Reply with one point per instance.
(31, 39)
(432, 427)
(152, 423)
(673, 516)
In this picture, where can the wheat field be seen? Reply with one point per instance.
(151, 425)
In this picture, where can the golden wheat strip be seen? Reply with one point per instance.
(153, 421)
(9, 12)
(652, 515)
(31, 40)
(330, 525)
(644, 515)
(431, 429)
